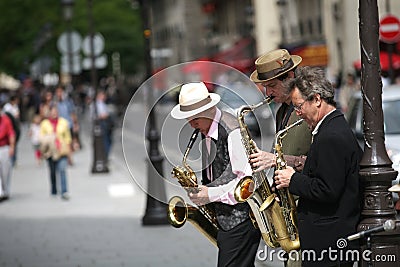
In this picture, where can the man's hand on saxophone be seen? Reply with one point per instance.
(201, 197)
(282, 177)
(262, 160)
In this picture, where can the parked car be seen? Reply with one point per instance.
(391, 114)
(232, 98)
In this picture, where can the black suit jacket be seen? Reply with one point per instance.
(329, 188)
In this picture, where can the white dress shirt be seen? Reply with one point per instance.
(239, 162)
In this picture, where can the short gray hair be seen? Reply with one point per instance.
(311, 81)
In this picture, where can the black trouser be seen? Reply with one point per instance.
(238, 246)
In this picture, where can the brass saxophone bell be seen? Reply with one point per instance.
(203, 218)
(244, 189)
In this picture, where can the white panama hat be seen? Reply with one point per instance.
(193, 99)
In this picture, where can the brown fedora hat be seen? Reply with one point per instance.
(273, 64)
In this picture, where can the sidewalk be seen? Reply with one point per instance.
(99, 226)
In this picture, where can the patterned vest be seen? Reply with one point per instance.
(228, 216)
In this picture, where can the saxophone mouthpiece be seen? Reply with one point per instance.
(269, 98)
(193, 138)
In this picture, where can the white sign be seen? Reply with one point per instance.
(389, 29)
(99, 62)
(161, 52)
(50, 79)
(75, 64)
(98, 45)
(75, 40)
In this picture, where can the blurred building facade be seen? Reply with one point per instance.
(218, 30)
(235, 32)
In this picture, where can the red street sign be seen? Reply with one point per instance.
(389, 29)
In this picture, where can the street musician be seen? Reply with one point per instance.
(224, 164)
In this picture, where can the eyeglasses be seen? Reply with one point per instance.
(298, 107)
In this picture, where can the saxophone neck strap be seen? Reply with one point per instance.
(286, 116)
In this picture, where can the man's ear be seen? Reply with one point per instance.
(318, 99)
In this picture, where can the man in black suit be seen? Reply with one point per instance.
(329, 187)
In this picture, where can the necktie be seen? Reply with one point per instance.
(208, 144)
(209, 168)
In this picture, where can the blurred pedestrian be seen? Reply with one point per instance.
(101, 113)
(347, 91)
(34, 135)
(45, 104)
(11, 109)
(7, 146)
(55, 145)
(76, 140)
(66, 110)
(65, 105)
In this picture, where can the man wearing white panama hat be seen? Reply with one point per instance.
(224, 164)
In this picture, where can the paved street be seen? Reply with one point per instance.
(99, 226)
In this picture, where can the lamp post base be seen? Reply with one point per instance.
(156, 209)
(156, 213)
(99, 154)
(100, 166)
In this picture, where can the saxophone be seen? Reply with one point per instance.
(287, 203)
(203, 218)
(277, 222)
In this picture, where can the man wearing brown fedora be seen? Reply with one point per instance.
(224, 164)
(273, 70)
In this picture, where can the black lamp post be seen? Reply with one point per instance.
(93, 72)
(100, 161)
(156, 210)
(375, 166)
(68, 6)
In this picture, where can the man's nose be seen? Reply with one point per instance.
(268, 90)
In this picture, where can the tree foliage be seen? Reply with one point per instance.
(30, 29)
